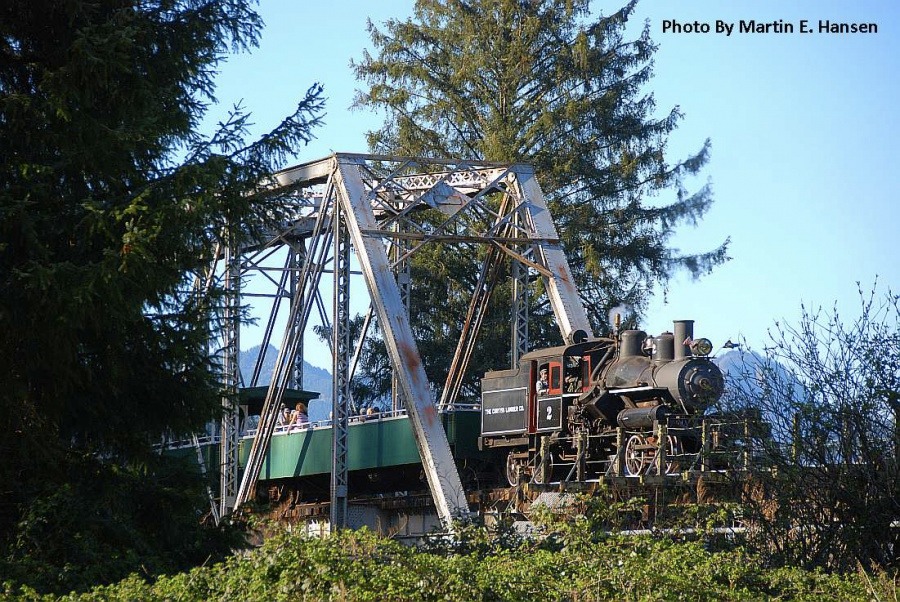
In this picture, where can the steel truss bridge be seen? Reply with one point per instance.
(372, 207)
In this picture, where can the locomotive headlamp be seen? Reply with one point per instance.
(701, 347)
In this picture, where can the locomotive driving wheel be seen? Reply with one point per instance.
(514, 466)
(673, 452)
(636, 457)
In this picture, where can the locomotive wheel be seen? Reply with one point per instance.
(636, 460)
(513, 467)
(673, 453)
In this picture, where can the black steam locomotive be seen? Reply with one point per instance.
(627, 405)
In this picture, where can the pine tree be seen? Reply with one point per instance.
(548, 83)
(111, 203)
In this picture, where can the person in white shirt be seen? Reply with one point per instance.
(543, 383)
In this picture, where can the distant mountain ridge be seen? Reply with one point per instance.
(757, 381)
(315, 379)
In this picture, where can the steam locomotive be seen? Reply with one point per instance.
(630, 405)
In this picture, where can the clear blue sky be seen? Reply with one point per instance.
(805, 135)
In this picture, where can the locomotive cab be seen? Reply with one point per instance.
(518, 409)
(515, 405)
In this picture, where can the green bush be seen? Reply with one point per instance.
(361, 566)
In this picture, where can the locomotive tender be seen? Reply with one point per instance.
(568, 427)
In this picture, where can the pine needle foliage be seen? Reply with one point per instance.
(554, 84)
(111, 206)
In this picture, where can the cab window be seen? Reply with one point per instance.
(555, 378)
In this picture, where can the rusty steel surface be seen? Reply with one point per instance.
(564, 297)
(437, 460)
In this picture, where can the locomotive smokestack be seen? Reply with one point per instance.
(684, 332)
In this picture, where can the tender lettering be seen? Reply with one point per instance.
(505, 410)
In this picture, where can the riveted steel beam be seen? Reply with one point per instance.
(564, 297)
(340, 383)
(437, 460)
(379, 200)
(228, 469)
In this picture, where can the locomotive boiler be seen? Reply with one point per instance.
(630, 404)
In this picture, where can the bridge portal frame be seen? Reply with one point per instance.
(371, 204)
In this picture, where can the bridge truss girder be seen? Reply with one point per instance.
(373, 204)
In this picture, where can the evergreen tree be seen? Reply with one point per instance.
(111, 204)
(548, 83)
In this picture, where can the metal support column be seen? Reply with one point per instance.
(297, 257)
(619, 460)
(567, 306)
(662, 439)
(519, 343)
(402, 269)
(341, 370)
(706, 448)
(544, 469)
(437, 461)
(228, 480)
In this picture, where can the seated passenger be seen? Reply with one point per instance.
(573, 383)
(284, 416)
(299, 417)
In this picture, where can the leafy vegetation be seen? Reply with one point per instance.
(111, 205)
(828, 390)
(360, 566)
(551, 84)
